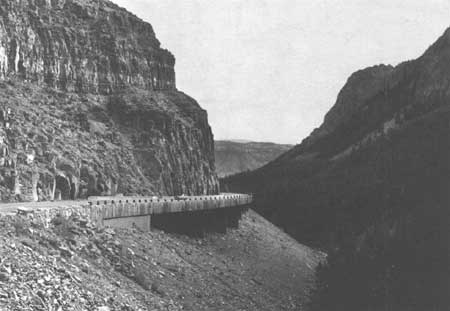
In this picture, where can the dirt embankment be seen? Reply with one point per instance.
(73, 266)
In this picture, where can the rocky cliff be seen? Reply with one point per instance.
(81, 45)
(89, 105)
(370, 186)
(234, 157)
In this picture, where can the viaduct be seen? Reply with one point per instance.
(191, 215)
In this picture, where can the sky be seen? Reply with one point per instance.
(269, 70)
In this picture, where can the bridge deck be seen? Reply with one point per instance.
(121, 206)
(125, 206)
(193, 214)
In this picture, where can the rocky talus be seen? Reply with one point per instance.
(71, 265)
(89, 106)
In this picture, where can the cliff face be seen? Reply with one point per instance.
(235, 157)
(359, 89)
(81, 45)
(378, 99)
(89, 106)
(370, 186)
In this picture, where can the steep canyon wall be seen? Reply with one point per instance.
(89, 106)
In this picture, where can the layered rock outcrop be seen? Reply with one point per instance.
(81, 45)
(90, 106)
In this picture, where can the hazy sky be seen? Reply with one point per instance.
(269, 70)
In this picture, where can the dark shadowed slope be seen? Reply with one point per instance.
(240, 156)
(371, 185)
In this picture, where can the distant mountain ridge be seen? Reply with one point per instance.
(242, 141)
(370, 185)
(237, 156)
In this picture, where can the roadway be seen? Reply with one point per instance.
(12, 208)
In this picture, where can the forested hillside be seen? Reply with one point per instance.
(371, 187)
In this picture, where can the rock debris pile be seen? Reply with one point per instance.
(71, 265)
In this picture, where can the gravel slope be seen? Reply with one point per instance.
(73, 266)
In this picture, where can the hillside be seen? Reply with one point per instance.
(370, 186)
(90, 106)
(73, 266)
(240, 156)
